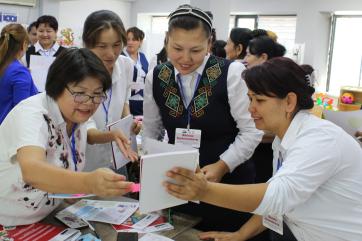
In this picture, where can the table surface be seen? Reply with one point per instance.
(182, 225)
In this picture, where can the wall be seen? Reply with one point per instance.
(73, 13)
(313, 23)
(25, 14)
(313, 20)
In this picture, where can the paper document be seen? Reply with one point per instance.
(39, 66)
(153, 195)
(124, 125)
(350, 121)
(103, 211)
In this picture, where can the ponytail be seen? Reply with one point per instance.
(12, 39)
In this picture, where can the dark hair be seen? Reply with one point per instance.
(73, 65)
(12, 40)
(33, 24)
(47, 20)
(98, 21)
(218, 48)
(265, 45)
(258, 33)
(308, 69)
(241, 36)
(279, 76)
(188, 18)
(138, 34)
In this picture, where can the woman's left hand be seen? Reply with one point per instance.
(215, 172)
(136, 126)
(188, 185)
(124, 145)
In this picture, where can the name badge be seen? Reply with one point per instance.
(190, 137)
(274, 223)
(137, 85)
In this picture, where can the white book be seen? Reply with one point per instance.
(124, 125)
(153, 196)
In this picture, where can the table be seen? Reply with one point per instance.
(182, 225)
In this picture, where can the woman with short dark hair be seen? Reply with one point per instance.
(316, 190)
(43, 142)
(46, 28)
(135, 38)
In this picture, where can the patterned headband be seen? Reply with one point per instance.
(192, 11)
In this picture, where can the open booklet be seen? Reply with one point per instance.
(124, 125)
(161, 157)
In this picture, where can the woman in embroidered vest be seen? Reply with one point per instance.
(204, 96)
(46, 28)
(16, 83)
(43, 141)
(316, 191)
(105, 36)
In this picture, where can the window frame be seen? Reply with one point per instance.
(332, 36)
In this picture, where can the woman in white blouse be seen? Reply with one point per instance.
(316, 190)
(104, 35)
(43, 140)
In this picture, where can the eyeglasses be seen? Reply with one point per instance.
(83, 98)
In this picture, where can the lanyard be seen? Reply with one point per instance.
(73, 148)
(280, 161)
(106, 109)
(192, 97)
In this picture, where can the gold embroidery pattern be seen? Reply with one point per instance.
(165, 74)
(213, 72)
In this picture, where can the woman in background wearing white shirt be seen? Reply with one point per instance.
(201, 93)
(104, 35)
(43, 140)
(316, 190)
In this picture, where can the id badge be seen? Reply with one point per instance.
(190, 137)
(274, 223)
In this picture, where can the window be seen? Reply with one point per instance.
(283, 25)
(159, 24)
(345, 56)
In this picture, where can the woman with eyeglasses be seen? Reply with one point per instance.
(105, 36)
(43, 141)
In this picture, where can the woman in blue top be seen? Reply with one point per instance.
(16, 83)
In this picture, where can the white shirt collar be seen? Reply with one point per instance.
(291, 134)
(53, 49)
(54, 110)
(199, 70)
